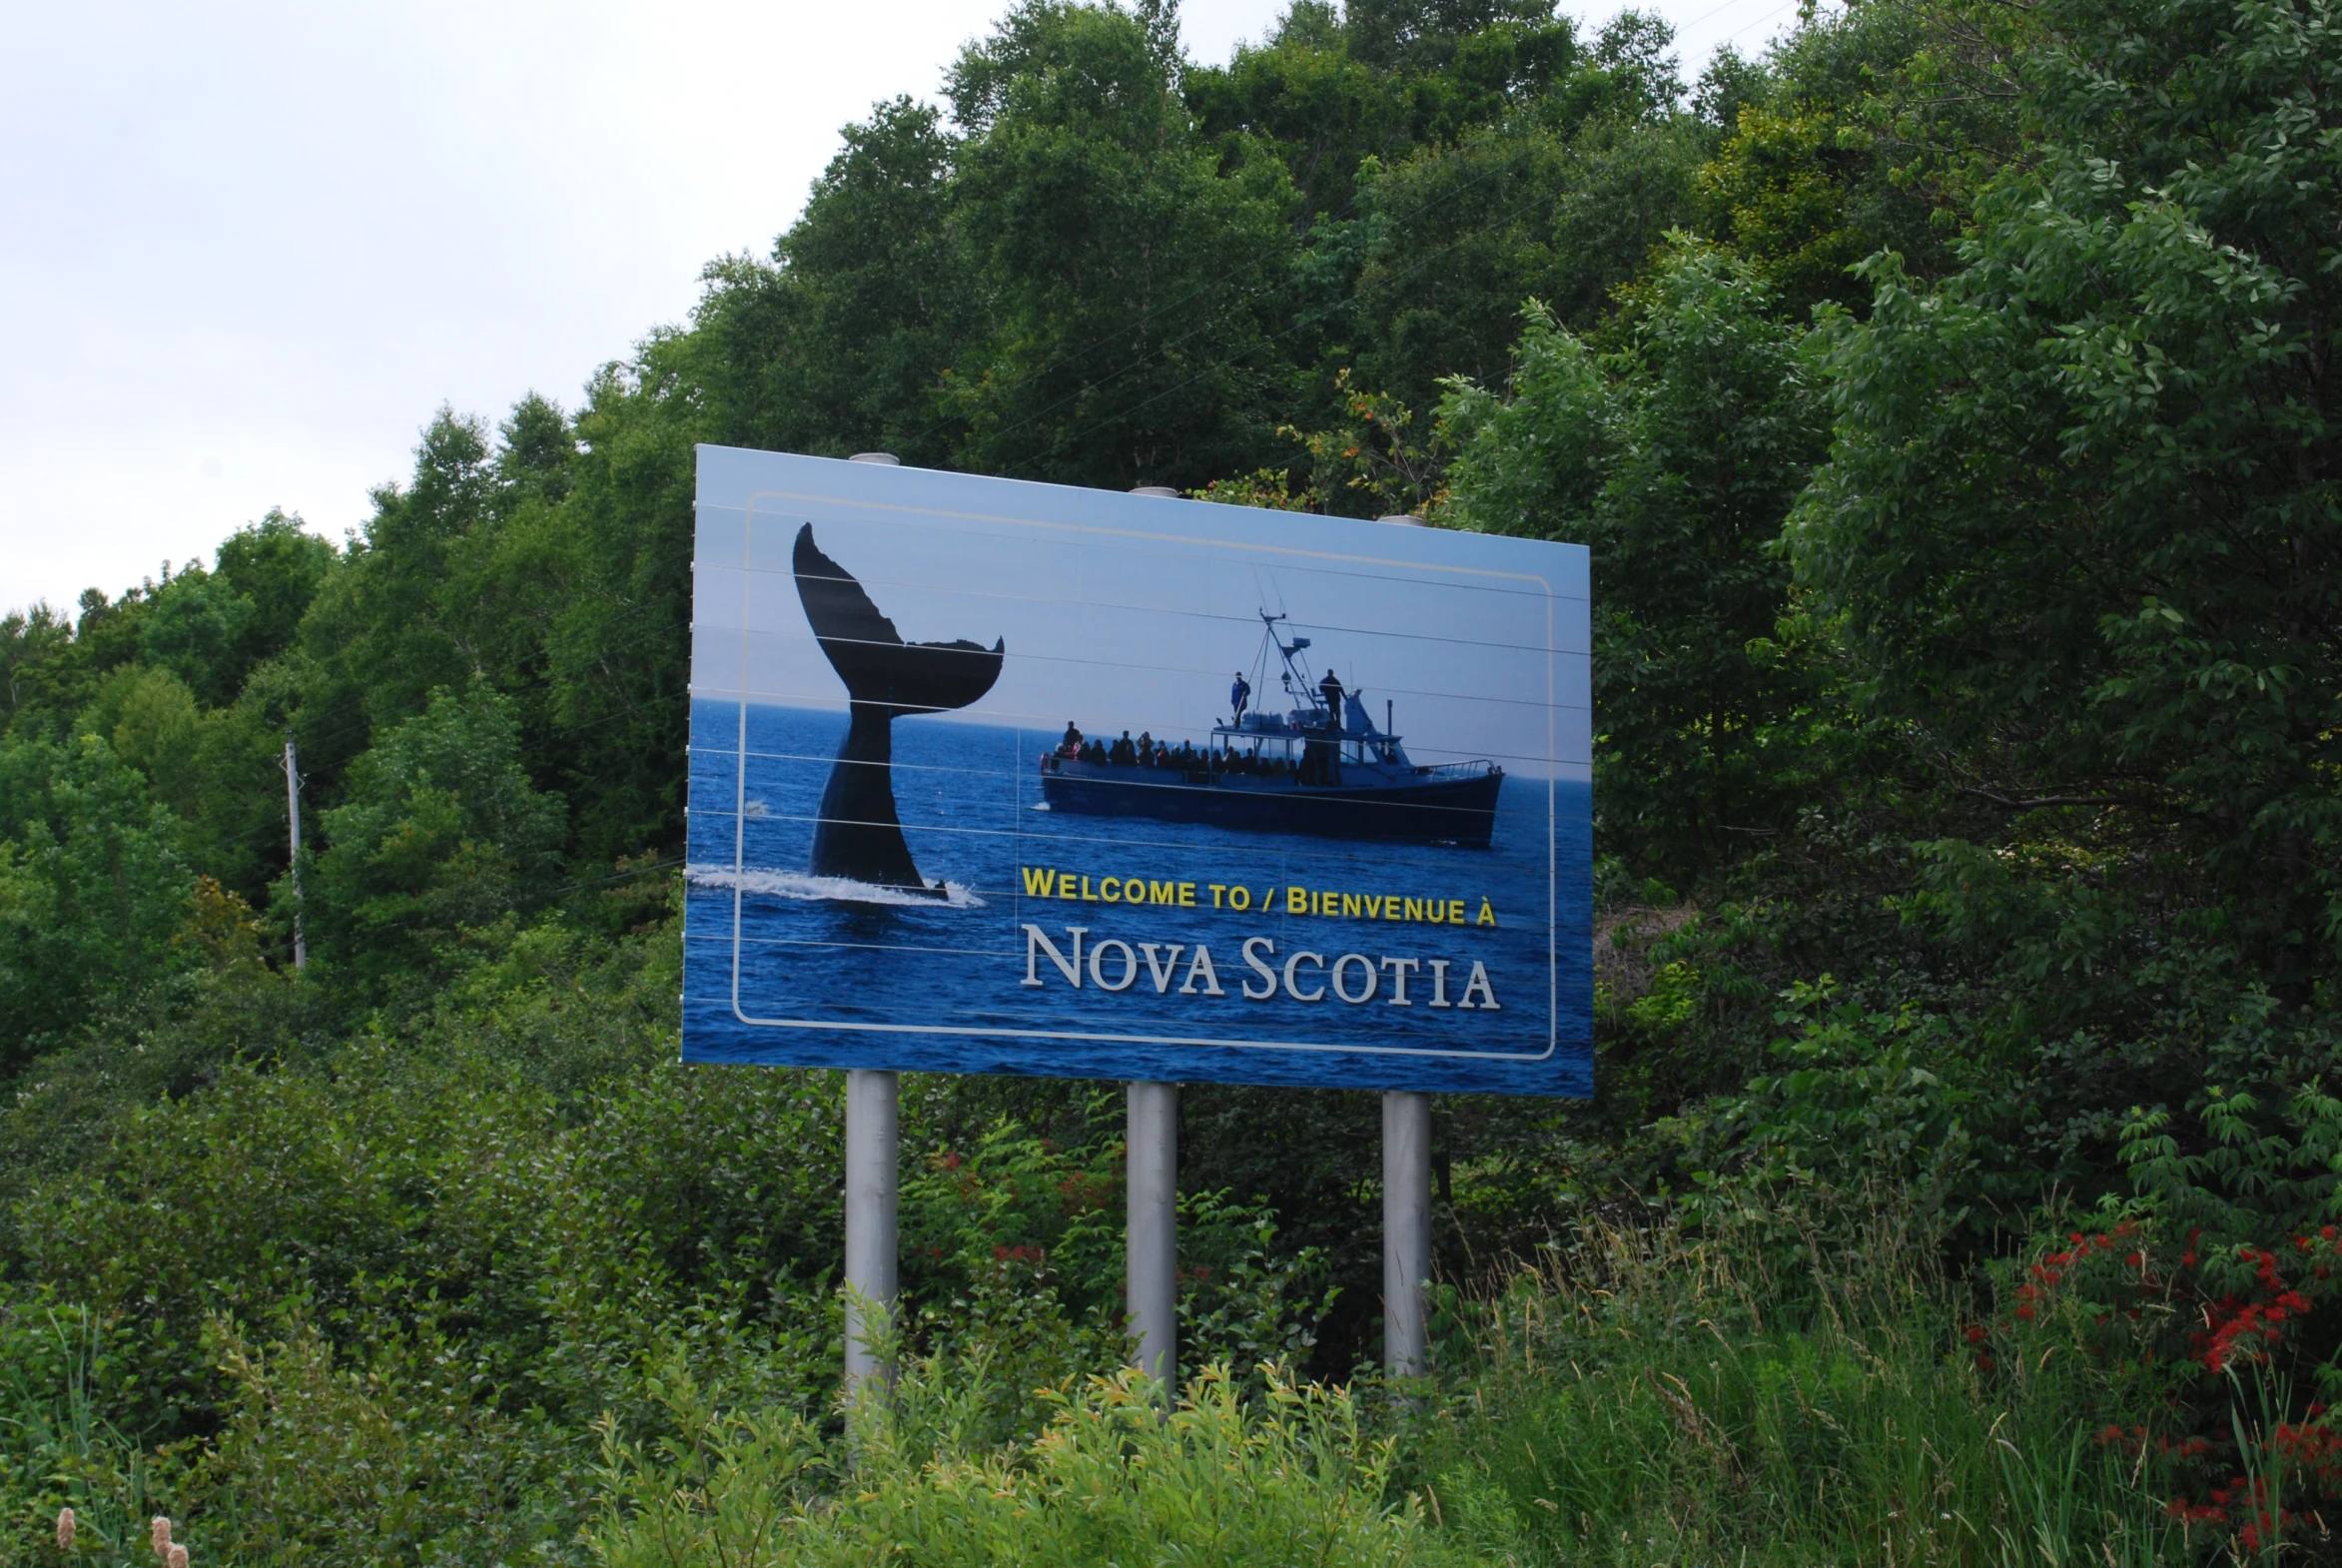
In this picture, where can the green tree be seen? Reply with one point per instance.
(839, 343)
(1867, 130)
(216, 769)
(1131, 290)
(52, 663)
(91, 891)
(1562, 197)
(439, 834)
(2080, 527)
(1676, 460)
(490, 564)
(1333, 88)
(615, 606)
(380, 636)
(196, 631)
(36, 649)
(278, 565)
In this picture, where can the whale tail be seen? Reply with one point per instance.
(859, 835)
(871, 657)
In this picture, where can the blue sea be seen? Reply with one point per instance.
(781, 967)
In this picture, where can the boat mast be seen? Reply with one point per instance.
(1297, 668)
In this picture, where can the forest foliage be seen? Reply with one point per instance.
(1945, 396)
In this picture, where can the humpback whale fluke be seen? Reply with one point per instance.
(859, 836)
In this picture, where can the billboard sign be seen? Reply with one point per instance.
(998, 777)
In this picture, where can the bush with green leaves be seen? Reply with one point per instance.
(1016, 1246)
(1110, 1476)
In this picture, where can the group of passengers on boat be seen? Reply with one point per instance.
(1320, 762)
(1147, 752)
(1144, 752)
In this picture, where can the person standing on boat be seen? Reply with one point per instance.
(1072, 746)
(1238, 695)
(1322, 759)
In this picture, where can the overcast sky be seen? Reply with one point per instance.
(246, 247)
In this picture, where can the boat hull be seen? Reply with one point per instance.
(1449, 809)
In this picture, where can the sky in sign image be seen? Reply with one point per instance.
(991, 776)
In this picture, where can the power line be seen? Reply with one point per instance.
(1761, 21)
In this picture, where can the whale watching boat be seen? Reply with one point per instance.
(1321, 767)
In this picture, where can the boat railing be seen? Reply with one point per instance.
(1298, 721)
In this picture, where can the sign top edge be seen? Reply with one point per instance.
(738, 479)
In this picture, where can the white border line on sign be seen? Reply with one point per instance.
(978, 1032)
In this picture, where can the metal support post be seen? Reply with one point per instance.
(1407, 1230)
(293, 816)
(1153, 1228)
(873, 1168)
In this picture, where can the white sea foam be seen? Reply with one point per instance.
(840, 890)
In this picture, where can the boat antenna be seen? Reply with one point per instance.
(1261, 656)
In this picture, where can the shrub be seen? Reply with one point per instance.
(1109, 1478)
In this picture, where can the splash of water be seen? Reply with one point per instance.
(838, 890)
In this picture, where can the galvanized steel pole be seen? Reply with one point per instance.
(1407, 1230)
(292, 820)
(873, 1168)
(1152, 1226)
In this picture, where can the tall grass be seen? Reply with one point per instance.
(1759, 1390)
(1747, 1387)
(57, 1451)
(1764, 1390)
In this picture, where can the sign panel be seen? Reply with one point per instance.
(998, 777)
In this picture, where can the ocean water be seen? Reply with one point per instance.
(781, 967)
